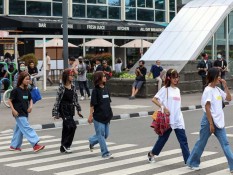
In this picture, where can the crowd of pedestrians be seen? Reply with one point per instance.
(168, 98)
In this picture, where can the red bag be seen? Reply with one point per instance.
(161, 124)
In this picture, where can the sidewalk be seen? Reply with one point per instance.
(41, 116)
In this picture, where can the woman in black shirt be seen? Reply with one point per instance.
(66, 101)
(21, 104)
(100, 114)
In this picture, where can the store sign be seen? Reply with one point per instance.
(96, 27)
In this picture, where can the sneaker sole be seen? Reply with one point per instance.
(39, 149)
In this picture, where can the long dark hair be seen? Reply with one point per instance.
(97, 78)
(65, 75)
(171, 73)
(212, 75)
(21, 77)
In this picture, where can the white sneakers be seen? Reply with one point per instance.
(82, 98)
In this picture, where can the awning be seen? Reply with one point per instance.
(21, 22)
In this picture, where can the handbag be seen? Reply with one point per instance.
(161, 121)
(35, 94)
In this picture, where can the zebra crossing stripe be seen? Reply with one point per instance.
(9, 141)
(225, 171)
(87, 160)
(197, 133)
(204, 165)
(60, 157)
(48, 153)
(150, 166)
(6, 137)
(42, 142)
(113, 164)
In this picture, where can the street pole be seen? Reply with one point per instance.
(65, 32)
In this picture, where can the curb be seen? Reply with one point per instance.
(115, 117)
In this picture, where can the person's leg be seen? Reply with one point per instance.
(159, 80)
(80, 83)
(72, 128)
(203, 82)
(182, 138)
(222, 138)
(48, 78)
(106, 130)
(134, 88)
(86, 88)
(100, 132)
(161, 142)
(195, 156)
(27, 131)
(17, 138)
(138, 87)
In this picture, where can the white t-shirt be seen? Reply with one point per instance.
(173, 104)
(214, 96)
(118, 67)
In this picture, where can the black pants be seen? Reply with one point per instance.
(68, 131)
(203, 83)
(82, 85)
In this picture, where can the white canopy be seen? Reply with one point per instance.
(137, 43)
(188, 33)
(56, 43)
(99, 42)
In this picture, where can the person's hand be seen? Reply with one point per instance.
(55, 117)
(212, 129)
(79, 114)
(90, 119)
(223, 82)
(205, 69)
(15, 113)
(29, 110)
(166, 111)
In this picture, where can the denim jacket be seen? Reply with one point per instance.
(60, 93)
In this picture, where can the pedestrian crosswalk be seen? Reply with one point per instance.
(128, 159)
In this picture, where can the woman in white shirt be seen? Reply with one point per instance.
(213, 119)
(118, 66)
(168, 98)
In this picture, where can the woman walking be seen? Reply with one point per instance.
(64, 107)
(21, 105)
(100, 114)
(213, 119)
(168, 98)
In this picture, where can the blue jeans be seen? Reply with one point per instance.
(220, 133)
(102, 132)
(181, 136)
(23, 128)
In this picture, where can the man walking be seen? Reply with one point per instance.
(156, 70)
(221, 64)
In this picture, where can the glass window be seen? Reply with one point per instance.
(1, 7)
(39, 8)
(78, 10)
(130, 3)
(114, 12)
(101, 1)
(57, 9)
(91, 1)
(130, 13)
(141, 3)
(172, 5)
(96, 11)
(149, 3)
(160, 16)
(96, 1)
(114, 2)
(160, 4)
(57, 0)
(79, 1)
(145, 15)
(172, 15)
(16, 7)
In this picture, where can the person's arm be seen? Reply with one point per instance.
(157, 103)
(224, 83)
(30, 106)
(14, 112)
(90, 118)
(209, 117)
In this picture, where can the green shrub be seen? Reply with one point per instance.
(127, 75)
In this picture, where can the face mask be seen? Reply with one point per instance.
(140, 65)
(22, 68)
(219, 56)
(80, 61)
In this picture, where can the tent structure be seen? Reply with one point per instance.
(188, 33)
(99, 42)
(137, 43)
(55, 43)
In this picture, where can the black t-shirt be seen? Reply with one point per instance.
(100, 99)
(32, 70)
(222, 64)
(20, 100)
(143, 72)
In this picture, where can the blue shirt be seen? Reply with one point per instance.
(155, 70)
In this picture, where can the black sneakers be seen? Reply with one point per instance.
(91, 147)
(150, 158)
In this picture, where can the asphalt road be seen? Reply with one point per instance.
(129, 142)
